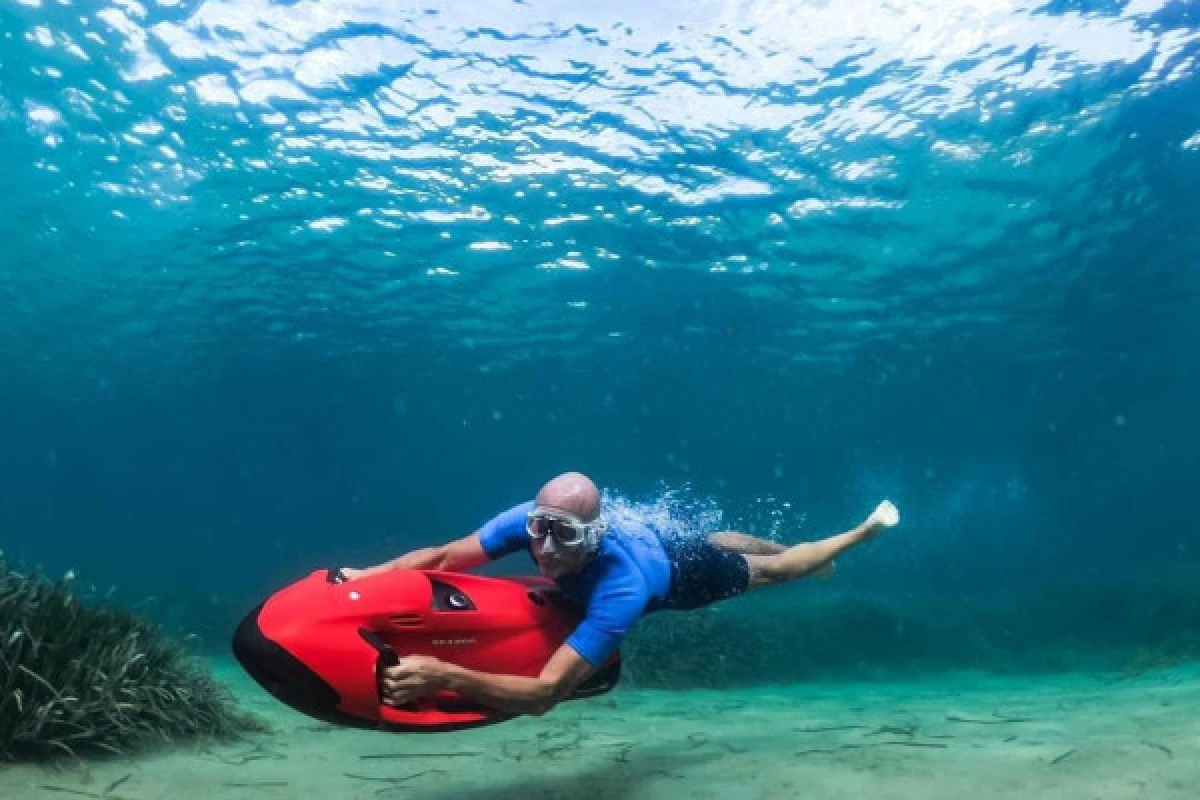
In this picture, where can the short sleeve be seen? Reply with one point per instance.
(505, 532)
(612, 612)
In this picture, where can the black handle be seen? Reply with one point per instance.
(387, 658)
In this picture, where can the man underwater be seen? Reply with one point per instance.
(615, 570)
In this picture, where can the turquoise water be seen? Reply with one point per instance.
(290, 285)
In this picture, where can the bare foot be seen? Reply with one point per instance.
(886, 515)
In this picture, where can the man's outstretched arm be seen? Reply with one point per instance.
(457, 556)
(415, 676)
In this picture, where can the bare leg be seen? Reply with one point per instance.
(807, 558)
(745, 544)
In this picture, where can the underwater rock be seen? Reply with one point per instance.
(79, 678)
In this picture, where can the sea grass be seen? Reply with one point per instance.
(81, 678)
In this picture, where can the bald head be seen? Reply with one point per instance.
(572, 492)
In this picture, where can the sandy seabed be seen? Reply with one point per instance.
(955, 736)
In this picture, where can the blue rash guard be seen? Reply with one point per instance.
(630, 575)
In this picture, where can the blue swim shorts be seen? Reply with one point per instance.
(701, 572)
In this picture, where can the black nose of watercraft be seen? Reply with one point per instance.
(252, 649)
(279, 672)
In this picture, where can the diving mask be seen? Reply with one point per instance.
(565, 529)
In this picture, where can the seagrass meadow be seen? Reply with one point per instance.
(82, 678)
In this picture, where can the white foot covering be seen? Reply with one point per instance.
(885, 516)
